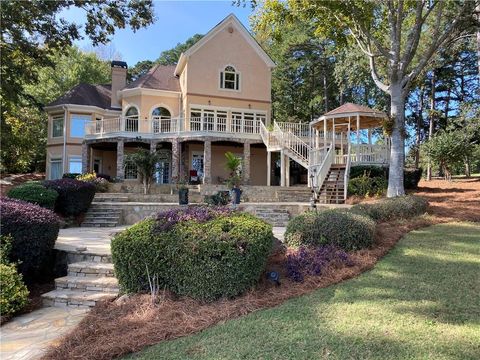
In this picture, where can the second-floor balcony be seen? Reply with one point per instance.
(158, 127)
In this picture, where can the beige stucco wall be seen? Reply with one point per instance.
(225, 48)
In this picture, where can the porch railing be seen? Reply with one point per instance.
(320, 172)
(364, 153)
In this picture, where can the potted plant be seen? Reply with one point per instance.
(182, 192)
(233, 165)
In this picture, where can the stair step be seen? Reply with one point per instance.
(88, 283)
(91, 224)
(84, 268)
(76, 298)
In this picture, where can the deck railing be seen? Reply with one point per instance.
(159, 125)
(320, 172)
(346, 175)
(368, 154)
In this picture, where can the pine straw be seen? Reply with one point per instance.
(111, 330)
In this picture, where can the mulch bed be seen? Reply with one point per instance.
(17, 179)
(111, 330)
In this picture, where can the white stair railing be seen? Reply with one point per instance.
(320, 172)
(291, 142)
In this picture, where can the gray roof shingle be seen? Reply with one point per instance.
(160, 77)
(87, 94)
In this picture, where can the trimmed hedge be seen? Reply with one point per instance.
(333, 227)
(411, 178)
(14, 294)
(371, 171)
(34, 193)
(402, 207)
(74, 196)
(201, 257)
(33, 230)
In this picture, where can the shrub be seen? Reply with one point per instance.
(70, 175)
(74, 196)
(402, 207)
(14, 294)
(221, 198)
(312, 261)
(5, 248)
(411, 178)
(371, 171)
(34, 193)
(367, 186)
(33, 230)
(204, 254)
(333, 227)
(105, 176)
(101, 184)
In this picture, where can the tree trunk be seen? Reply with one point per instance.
(431, 121)
(397, 151)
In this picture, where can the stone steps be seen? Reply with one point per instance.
(76, 298)
(275, 217)
(87, 283)
(93, 268)
(101, 215)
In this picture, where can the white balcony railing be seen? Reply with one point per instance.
(158, 125)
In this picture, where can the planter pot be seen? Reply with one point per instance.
(183, 197)
(235, 194)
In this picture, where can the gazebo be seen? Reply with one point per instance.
(336, 144)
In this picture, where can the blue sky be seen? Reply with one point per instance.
(175, 22)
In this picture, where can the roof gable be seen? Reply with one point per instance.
(231, 20)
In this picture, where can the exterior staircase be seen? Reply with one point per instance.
(332, 190)
(275, 217)
(102, 215)
(86, 283)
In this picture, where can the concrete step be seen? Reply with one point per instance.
(93, 268)
(92, 224)
(76, 298)
(88, 283)
(102, 216)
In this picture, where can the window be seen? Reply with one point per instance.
(56, 170)
(75, 165)
(131, 119)
(77, 125)
(229, 79)
(161, 112)
(57, 126)
(130, 171)
(161, 120)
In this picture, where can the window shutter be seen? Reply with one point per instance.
(221, 79)
(237, 81)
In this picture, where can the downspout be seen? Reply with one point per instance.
(64, 138)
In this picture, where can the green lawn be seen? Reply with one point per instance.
(420, 302)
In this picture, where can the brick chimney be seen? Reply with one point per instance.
(119, 81)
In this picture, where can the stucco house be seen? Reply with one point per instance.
(216, 99)
(211, 102)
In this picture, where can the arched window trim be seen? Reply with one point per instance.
(226, 82)
(156, 106)
(132, 107)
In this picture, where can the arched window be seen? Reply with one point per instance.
(132, 112)
(131, 119)
(161, 112)
(230, 78)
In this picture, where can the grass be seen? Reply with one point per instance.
(421, 301)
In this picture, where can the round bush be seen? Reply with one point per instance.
(74, 196)
(367, 186)
(333, 227)
(194, 255)
(401, 207)
(33, 230)
(35, 193)
(14, 294)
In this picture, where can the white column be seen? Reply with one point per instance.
(282, 168)
(287, 171)
(358, 137)
(325, 136)
(369, 136)
(269, 168)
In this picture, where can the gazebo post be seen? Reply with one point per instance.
(333, 136)
(358, 137)
(325, 137)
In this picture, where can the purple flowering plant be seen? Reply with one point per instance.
(312, 261)
(166, 220)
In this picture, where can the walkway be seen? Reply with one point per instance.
(27, 336)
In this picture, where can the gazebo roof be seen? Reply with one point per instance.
(349, 112)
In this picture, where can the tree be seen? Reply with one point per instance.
(33, 30)
(399, 39)
(170, 57)
(24, 125)
(146, 163)
(139, 69)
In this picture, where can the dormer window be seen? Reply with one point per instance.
(229, 78)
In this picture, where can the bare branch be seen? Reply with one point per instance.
(375, 76)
